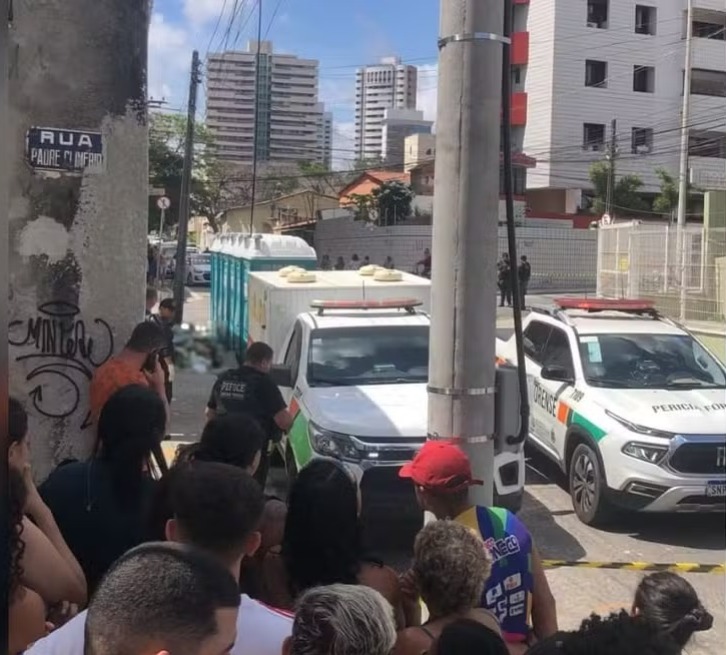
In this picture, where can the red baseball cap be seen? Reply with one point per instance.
(440, 466)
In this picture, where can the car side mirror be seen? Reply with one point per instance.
(282, 376)
(557, 374)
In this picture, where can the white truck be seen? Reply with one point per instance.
(352, 362)
(628, 403)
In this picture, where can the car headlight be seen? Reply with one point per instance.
(332, 444)
(645, 452)
(640, 429)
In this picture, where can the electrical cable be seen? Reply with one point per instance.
(506, 149)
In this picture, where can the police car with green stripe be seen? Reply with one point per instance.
(629, 404)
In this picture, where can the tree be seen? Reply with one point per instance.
(625, 194)
(666, 202)
(388, 204)
(394, 200)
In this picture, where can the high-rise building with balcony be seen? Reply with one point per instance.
(324, 153)
(286, 89)
(589, 62)
(388, 85)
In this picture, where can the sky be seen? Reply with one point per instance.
(340, 34)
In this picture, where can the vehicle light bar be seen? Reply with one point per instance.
(394, 303)
(605, 304)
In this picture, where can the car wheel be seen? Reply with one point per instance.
(587, 486)
(290, 467)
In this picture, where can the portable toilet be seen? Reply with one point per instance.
(214, 250)
(225, 293)
(265, 252)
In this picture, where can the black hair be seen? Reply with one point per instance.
(469, 637)
(322, 542)
(168, 303)
(17, 496)
(17, 420)
(258, 353)
(671, 604)
(167, 594)
(217, 505)
(229, 439)
(131, 424)
(618, 633)
(146, 338)
(523, 258)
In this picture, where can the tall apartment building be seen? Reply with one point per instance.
(397, 125)
(324, 153)
(592, 61)
(388, 85)
(289, 114)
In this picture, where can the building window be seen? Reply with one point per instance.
(715, 28)
(707, 144)
(516, 75)
(519, 181)
(593, 136)
(596, 73)
(641, 140)
(597, 14)
(645, 19)
(708, 83)
(644, 79)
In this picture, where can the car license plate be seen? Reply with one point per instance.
(715, 489)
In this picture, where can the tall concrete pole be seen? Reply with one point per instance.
(464, 252)
(180, 270)
(683, 172)
(78, 206)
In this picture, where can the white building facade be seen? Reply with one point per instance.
(289, 121)
(594, 61)
(388, 85)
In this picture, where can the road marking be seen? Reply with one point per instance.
(675, 567)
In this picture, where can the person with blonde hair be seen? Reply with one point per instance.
(450, 568)
(341, 619)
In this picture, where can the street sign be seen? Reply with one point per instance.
(163, 203)
(606, 219)
(156, 191)
(68, 151)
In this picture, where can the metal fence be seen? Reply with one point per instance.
(643, 261)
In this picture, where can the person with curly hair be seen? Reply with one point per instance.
(617, 634)
(450, 568)
(322, 541)
(26, 613)
(49, 566)
(671, 604)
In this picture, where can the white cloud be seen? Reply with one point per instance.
(200, 12)
(169, 60)
(427, 91)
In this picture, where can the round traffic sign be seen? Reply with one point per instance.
(606, 219)
(163, 203)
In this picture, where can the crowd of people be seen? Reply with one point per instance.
(116, 555)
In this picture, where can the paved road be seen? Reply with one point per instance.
(548, 513)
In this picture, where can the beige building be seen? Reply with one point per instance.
(294, 210)
(417, 149)
(290, 117)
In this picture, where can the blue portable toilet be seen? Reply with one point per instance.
(267, 252)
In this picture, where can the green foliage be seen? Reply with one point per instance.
(626, 198)
(387, 204)
(666, 202)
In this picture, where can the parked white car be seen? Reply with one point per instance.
(199, 268)
(629, 404)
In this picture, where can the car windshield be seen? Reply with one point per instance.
(649, 361)
(365, 356)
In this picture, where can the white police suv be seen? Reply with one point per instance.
(629, 404)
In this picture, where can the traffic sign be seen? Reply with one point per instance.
(163, 203)
(606, 219)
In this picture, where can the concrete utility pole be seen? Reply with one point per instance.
(466, 210)
(612, 155)
(77, 147)
(683, 172)
(180, 269)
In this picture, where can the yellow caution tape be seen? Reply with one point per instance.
(674, 567)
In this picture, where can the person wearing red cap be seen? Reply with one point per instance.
(517, 591)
